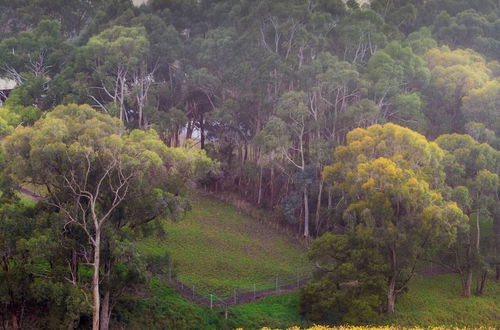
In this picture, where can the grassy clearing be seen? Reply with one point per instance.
(430, 302)
(217, 249)
(274, 312)
(435, 301)
(26, 201)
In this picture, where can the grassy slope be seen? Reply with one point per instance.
(217, 249)
(431, 301)
(438, 301)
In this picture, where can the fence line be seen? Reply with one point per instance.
(238, 296)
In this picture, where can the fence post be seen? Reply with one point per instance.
(254, 291)
(235, 296)
(182, 286)
(226, 312)
(193, 292)
(277, 289)
(211, 301)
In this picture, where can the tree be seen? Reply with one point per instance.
(291, 126)
(361, 33)
(472, 174)
(482, 104)
(389, 176)
(454, 75)
(91, 169)
(396, 73)
(348, 283)
(113, 58)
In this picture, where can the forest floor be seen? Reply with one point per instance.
(218, 249)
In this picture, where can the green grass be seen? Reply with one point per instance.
(26, 201)
(435, 301)
(431, 301)
(274, 312)
(159, 307)
(217, 248)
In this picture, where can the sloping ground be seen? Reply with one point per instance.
(437, 300)
(218, 249)
(432, 301)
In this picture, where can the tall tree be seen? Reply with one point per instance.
(390, 176)
(91, 168)
(472, 172)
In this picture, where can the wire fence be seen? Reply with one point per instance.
(226, 297)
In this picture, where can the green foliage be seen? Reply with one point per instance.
(161, 308)
(430, 300)
(390, 177)
(349, 282)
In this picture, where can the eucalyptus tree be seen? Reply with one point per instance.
(455, 73)
(113, 58)
(390, 177)
(93, 172)
(472, 173)
(290, 127)
(396, 74)
(360, 34)
(482, 104)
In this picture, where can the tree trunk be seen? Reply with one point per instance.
(15, 323)
(478, 232)
(202, 132)
(496, 241)
(391, 290)
(318, 207)
(391, 296)
(467, 284)
(105, 312)
(481, 281)
(95, 280)
(272, 185)
(260, 187)
(306, 214)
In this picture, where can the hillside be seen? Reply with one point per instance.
(430, 301)
(218, 249)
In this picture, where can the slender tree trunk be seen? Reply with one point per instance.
(467, 283)
(95, 280)
(496, 241)
(481, 281)
(306, 214)
(391, 296)
(15, 323)
(105, 312)
(478, 232)
(260, 187)
(318, 206)
(272, 184)
(202, 132)
(391, 290)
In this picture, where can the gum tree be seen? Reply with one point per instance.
(95, 174)
(390, 177)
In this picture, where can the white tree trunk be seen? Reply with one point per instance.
(306, 214)
(95, 280)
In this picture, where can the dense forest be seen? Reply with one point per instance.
(370, 129)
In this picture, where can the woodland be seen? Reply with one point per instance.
(369, 131)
